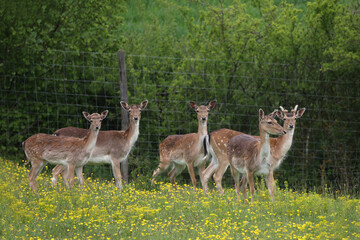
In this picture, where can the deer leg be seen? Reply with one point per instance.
(162, 167)
(36, 168)
(58, 169)
(219, 173)
(208, 172)
(250, 177)
(192, 175)
(65, 175)
(79, 174)
(117, 173)
(69, 175)
(236, 176)
(63, 172)
(172, 171)
(175, 172)
(201, 174)
(270, 182)
(243, 187)
(172, 174)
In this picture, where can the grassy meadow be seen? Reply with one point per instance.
(101, 211)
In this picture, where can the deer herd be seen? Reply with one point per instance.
(71, 148)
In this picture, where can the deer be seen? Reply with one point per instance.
(250, 155)
(70, 152)
(112, 147)
(218, 141)
(279, 146)
(188, 150)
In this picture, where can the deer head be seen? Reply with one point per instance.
(269, 124)
(289, 118)
(95, 119)
(134, 110)
(203, 111)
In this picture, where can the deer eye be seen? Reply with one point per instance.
(196, 110)
(270, 123)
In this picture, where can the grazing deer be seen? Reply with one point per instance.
(70, 152)
(219, 140)
(112, 147)
(185, 150)
(250, 155)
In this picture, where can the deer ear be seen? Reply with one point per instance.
(104, 114)
(280, 115)
(143, 104)
(300, 113)
(273, 114)
(212, 104)
(261, 114)
(193, 105)
(86, 115)
(124, 105)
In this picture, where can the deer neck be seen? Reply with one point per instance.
(202, 130)
(264, 146)
(90, 140)
(283, 144)
(132, 133)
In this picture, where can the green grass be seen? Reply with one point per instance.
(100, 211)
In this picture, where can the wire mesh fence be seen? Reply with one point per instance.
(52, 88)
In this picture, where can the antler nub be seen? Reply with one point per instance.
(295, 108)
(283, 110)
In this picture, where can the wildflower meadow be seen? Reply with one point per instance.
(141, 211)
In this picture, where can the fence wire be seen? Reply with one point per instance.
(52, 88)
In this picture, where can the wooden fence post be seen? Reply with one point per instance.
(124, 113)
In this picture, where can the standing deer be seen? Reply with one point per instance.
(250, 155)
(112, 147)
(217, 147)
(219, 140)
(186, 150)
(70, 152)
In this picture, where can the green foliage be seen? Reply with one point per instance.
(85, 25)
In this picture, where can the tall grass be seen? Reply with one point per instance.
(101, 211)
